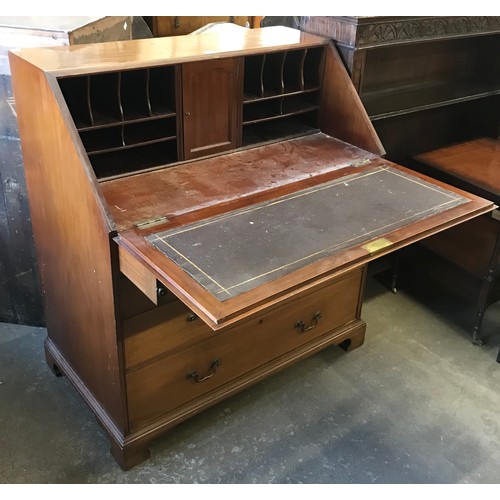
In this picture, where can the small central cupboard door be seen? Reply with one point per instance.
(211, 99)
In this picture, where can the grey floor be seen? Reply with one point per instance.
(417, 403)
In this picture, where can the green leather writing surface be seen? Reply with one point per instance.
(239, 250)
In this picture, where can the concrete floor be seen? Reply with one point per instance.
(416, 404)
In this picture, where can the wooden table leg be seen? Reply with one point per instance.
(395, 272)
(486, 286)
(481, 306)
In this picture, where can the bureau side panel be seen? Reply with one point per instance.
(72, 241)
(342, 114)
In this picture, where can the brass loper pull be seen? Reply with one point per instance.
(196, 376)
(314, 323)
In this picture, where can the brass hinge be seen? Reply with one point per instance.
(151, 222)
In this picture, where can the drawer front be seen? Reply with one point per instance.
(167, 328)
(172, 381)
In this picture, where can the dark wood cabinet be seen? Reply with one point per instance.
(425, 81)
(210, 250)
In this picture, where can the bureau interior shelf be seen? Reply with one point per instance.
(124, 117)
(277, 73)
(128, 119)
(127, 135)
(249, 98)
(269, 109)
(282, 86)
(268, 131)
(413, 98)
(120, 96)
(122, 161)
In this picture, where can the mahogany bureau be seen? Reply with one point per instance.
(204, 208)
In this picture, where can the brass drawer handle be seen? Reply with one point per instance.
(191, 317)
(314, 323)
(196, 376)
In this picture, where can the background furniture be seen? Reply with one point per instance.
(428, 83)
(184, 25)
(469, 254)
(425, 81)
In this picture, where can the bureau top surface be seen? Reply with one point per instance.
(129, 54)
(476, 162)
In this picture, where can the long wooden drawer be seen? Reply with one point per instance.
(169, 382)
(164, 329)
